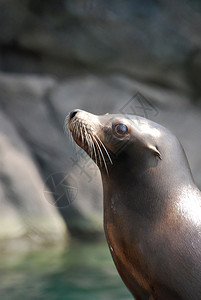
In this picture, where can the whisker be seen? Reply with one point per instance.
(88, 140)
(78, 134)
(94, 149)
(81, 132)
(104, 148)
(101, 154)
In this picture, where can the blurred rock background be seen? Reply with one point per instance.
(95, 55)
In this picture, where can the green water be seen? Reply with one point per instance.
(84, 272)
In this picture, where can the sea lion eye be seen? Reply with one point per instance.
(121, 129)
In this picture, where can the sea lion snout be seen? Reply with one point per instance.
(77, 115)
(73, 113)
(81, 115)
(86, 130)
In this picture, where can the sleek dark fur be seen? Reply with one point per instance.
(152, 208)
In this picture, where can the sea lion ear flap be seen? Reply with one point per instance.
(155, 151)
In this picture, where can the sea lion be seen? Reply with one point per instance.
(152, 207)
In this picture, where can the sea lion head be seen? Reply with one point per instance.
(127, 144)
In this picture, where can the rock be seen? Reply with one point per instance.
(153, 41)
(25, 215)
(27, 101)
(13, 13)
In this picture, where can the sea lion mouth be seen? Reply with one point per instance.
(87, 137)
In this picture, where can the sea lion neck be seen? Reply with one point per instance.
(138, 197)
(148, 189)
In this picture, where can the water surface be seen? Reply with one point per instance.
(84, 272)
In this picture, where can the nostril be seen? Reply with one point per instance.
(73, 113)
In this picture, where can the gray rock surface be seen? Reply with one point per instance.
(27, 102)
(25, 215)
(155, 41)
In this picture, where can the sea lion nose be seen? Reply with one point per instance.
(73, 113)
